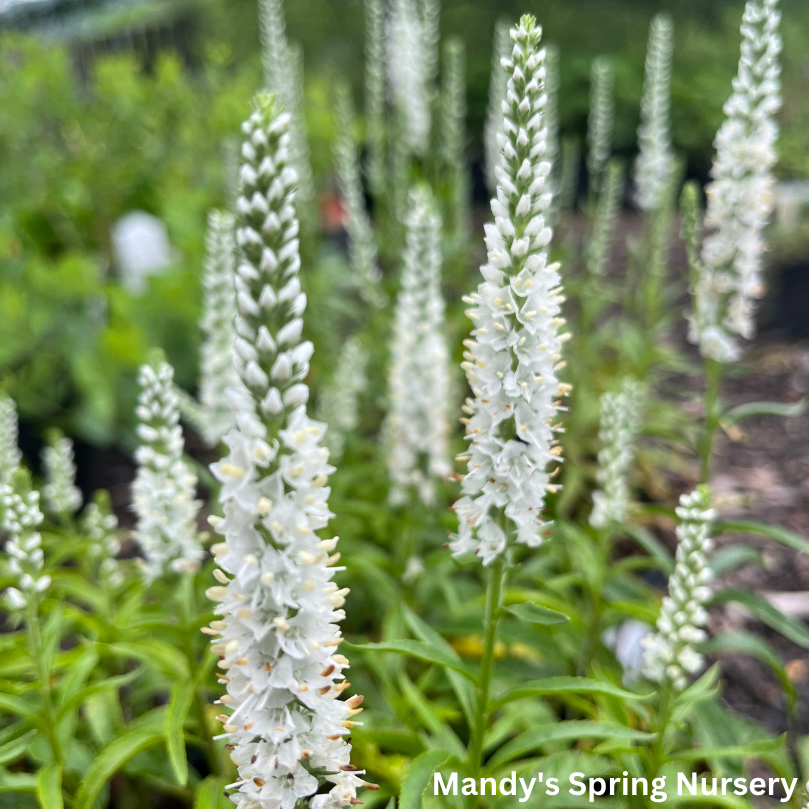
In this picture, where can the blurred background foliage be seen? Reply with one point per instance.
(109, 108)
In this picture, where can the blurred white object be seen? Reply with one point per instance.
(792, 203)
(626, 641)
(142, 246)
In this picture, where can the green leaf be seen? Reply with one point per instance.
(732, 557)
(110, 760)
(49, 787)
(789, 627)
(96, 688)
(17, 782)
(564, 685)
(652, 545)
(749, 644)
(208, 794)
(161, 656)
(703, 688)
(420, 650)
(418, 777)
(11, 751)
(762, 529)
(564, 731)
(748, 750)
(19, 707)
(535, 614)
(746, 411)
(80, 671)
(182, 695)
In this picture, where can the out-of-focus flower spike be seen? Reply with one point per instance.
(655, 163)
(501, 48)
(10, 455)
(603, 237)
(600, 123)
(62, 497)
(375, 93)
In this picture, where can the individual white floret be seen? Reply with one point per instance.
(277, 606)
(655, 163)
(217, 369)
(339, 405)
(362, 251)
(62, 496)
(418, 378)
(740, 197)
(669, 652)
(514, 357)
(600, 122)
(620, 422)
(10, 455)
(163, 494)
(21, 518)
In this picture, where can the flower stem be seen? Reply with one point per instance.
(713, 384)
(494, 598)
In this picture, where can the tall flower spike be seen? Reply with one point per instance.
(620, 416)
(283, 75)
(10, 455)
(512, 362)
(569, 173)
(217, 371)
(101, 527)
(501, 48)
(600, 245)
(361, 245)
(553, 148)
(277, 605)
(407, 72)
(740, 198)
(418, 378)
(164, 488)
(669, 651)
(655, 161)
(62, 496)
(339, 405)
(453, 136)
(375, 93)
(430, 15)
(600, 122)
(19, 505)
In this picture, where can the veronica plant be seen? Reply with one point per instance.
(62, 497)
(10, 455)
(277, 605)
(417, 424)
(217, 372)
(361, 244)
(339, 403)
(163, 493)
(600, 122)
(501, 48)
(375, 94)
(655, 162)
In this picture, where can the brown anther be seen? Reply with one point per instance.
(324, 690)
(355, 701)
(348, 768)
(259, 782)
(248, 725)
(327, 671)
(373, 787)
(334, 738)
(267, 667)
(253, 759)
(356, 802)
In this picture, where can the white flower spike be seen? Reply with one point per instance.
(62, 497)
(21, 519)
(620, 416)
(339, 406)
(361, 244)
(669, 652)
(600, 123)
(740, 198)
(10, 455)
(101, 527)
(417, 425)
(513, 361)
(278, 608)
(655, 162)
(501, 48)
(217, 369)
(408, 71)
(375, 93)
(164, 488)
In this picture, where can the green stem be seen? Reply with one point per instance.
(713, 383)
(603, 545)
(664, 718)
(494, 598)
(36, 649)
